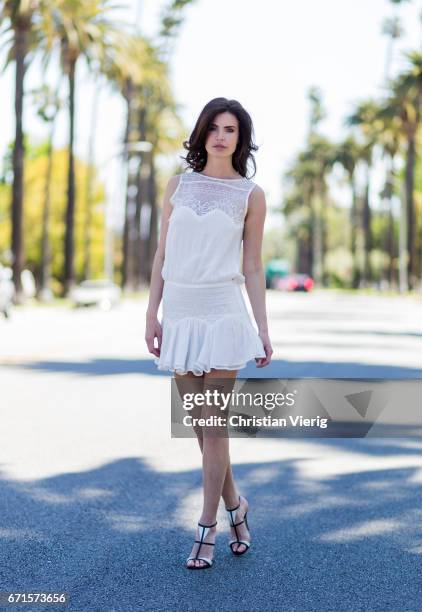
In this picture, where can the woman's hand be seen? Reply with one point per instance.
(153, 330)
(263, 361)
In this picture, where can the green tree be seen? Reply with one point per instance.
(17, 18)
(80, 28)
(35, 172)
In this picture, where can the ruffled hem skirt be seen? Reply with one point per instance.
(204, 327)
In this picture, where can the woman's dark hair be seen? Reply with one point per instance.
(197, 153)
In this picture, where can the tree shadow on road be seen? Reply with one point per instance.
(116, 537)
(278, 368)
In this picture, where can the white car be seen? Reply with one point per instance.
(7, 290)
(101, 292)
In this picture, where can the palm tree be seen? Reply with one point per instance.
(49, 105)
(317, 160)
(366, 118)
(317, 113)
(156, 106)
(347, 154)
(171, 21)
(19, 16)
(390, 139)
(139, 70)
(307, 202)
(406, 99)
(393, 29)
(297, 207)
(165, 131)
(80, 28)
(133, 66)
(123, 64)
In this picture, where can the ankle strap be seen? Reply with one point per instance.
(202, 524)
(233, 509)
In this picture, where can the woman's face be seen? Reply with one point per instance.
(223, 134)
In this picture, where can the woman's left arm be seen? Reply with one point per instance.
(253, 270)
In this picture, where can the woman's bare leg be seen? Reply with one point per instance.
(217, 472)
(190, 383)
(215, 452)
(230, 494)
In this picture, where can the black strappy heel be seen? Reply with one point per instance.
(233, 524)
(207, 560)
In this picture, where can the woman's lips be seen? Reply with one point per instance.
(219, 147)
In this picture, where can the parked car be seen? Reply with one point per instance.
(275, 269)
(294, 282)
(99, 292)
(7, 291)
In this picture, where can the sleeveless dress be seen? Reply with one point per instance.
(205, 322)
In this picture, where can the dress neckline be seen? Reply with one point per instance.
(216, 178)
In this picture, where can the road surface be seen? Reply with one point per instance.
(97, 500)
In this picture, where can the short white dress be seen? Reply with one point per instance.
(205, 322)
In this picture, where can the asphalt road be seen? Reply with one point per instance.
(98, 500)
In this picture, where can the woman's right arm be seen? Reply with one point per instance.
(152, 325)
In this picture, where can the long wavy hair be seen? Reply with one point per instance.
(196, 157)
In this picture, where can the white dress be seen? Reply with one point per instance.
(205, 322)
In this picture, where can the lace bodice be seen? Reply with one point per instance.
(204, 193)
(205, 230)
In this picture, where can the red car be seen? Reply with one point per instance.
(294, 282)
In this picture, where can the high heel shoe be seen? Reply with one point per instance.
(232, 514)
(203, 532)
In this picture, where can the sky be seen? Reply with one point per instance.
(265, 54)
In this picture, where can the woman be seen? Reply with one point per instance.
(206, 334)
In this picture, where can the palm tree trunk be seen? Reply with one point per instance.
(317, 237)
(145, 220)
(367, 232)
(152, 196)
(143, 210)
(69, 275)
(410, 207)
(303, 254)
(45, 241)
(309, 245)
(89, 186)
(403, 276)
(391, 247)
(21, 46)
(324, 232)
(126, 268)
(309, 242)
(354, 221)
